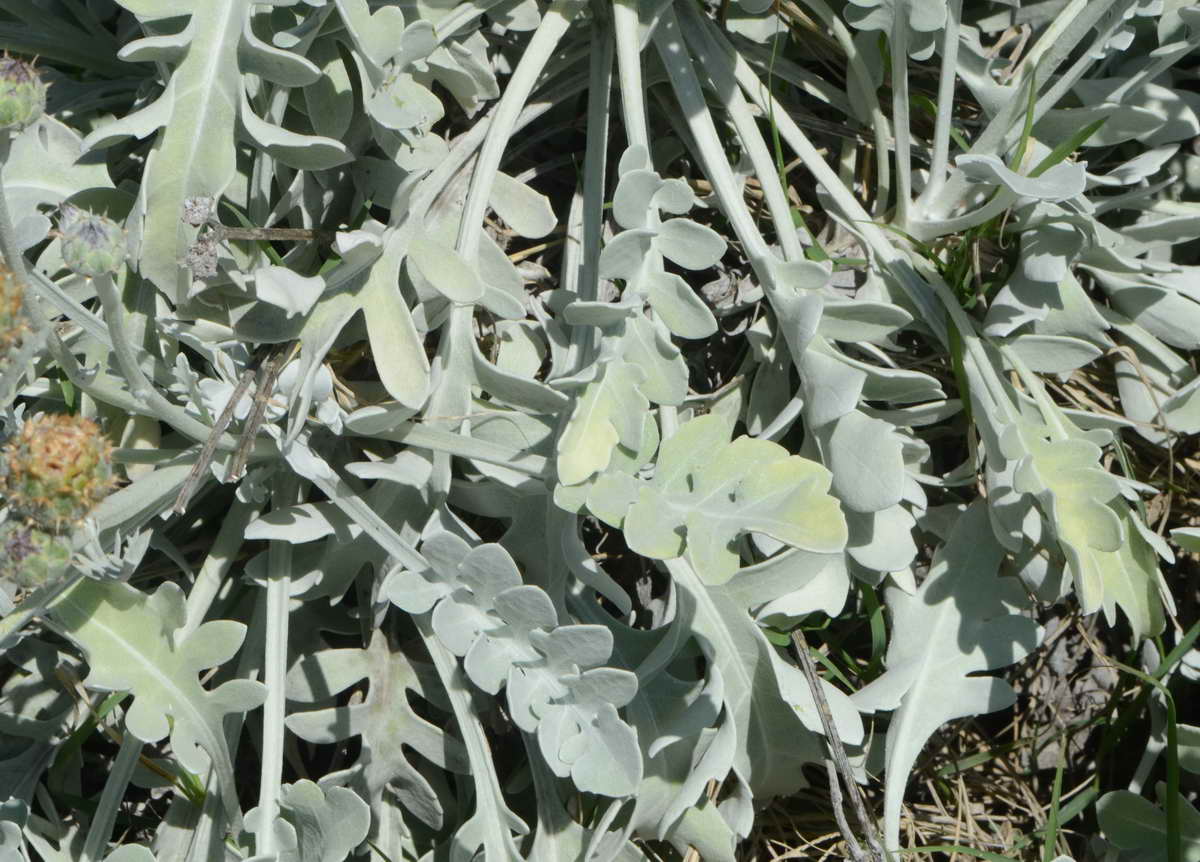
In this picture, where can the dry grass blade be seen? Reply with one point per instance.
(266, 374)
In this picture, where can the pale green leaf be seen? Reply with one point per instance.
(1127, 577)
(648, 347)
(1132, 822)
(921, 19)
(444, 268)
(305, 522)
(401, 104)
(867, 460)
(611, 764)
(127, 853)
(194, 154)
(330, 100)
(1061, 182)
(691, 245)
(150, 10)
(608, 411)
(1075, 491)
(1189, 747)
(384, 725)
(43, 170)
(1187, 538)
(167, 48)
(130, 640)
(524, 210)
(706, 492)
(274, 64)
(612, 493)
(380, 34)
(861, 320)
(962, 620)
(1182, 410)
(1174, 115)
(287, 289)
(684, 313)
(305, 152)
(882, 540)
(831, 388)
(754, 705)
(623, 257)
(1054, 354)
(315, 825)
(1110, 561)
(396, 345)
(633, 199)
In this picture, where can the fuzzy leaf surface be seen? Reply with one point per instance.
(129, 638)
(962, 620)
(708, 491)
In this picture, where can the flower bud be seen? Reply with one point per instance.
(30, 557)
(22, 94)
(54, 470)
(92, 245)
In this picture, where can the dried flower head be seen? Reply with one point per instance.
(55, 469)
(13, 325)
(198, 210)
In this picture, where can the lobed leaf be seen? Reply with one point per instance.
(130, 640)
(707, 491)
(963, 619)
(608, 412)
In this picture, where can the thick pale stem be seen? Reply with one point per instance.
(945, 104)
(584, 339)
(629, 67)
(900, 123)
(534, 58)
(707, 54)
(860, 78)
(276, 614)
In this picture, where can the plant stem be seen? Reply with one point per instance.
(860, 78)
(270, 234)
(275, 654)
(707, 53)
(100, 830)
(585, 339)
(945, 105)
(629, 66)
(900, 121)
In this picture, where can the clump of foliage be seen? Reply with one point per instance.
(562, 430)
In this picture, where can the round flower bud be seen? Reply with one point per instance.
(55, 469)
(30, 557)
(92, 245)
(22, 94)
